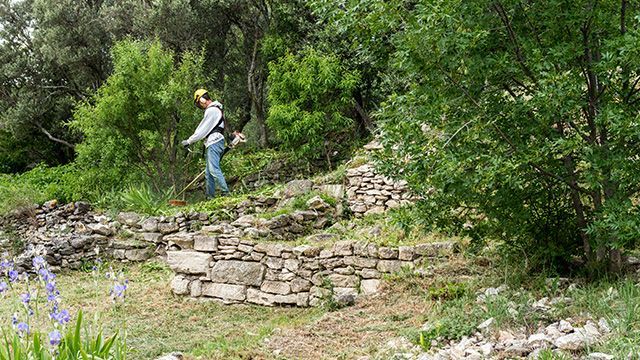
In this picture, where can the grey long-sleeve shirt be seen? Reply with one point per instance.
(211, 117)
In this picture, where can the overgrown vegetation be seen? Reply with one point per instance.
(510, 127)
(520, 127)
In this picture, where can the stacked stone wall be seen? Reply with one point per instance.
(369, 192)
(223, 267)
(72, 234)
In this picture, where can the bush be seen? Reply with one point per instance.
(135, 121)
(309, 94)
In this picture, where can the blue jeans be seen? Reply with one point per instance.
(213, 173)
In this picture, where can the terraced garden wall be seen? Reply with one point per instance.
(223, 267)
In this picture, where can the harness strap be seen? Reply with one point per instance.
(217, 128)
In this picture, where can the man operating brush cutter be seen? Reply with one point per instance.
(211, 129)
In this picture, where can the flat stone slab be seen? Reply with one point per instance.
(225, 291)
(189, 262)
(238, 272)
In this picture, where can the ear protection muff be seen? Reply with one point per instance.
(202, 100)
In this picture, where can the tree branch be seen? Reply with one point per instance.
(623, 12)
(55, 139)
(514, 41)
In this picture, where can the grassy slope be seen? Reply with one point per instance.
(158, 322)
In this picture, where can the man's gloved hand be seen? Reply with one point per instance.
(185, 143)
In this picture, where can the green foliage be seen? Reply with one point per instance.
(243, 162)
(447, 291)
(38, 185)
(143, 199)
(139, 115)
(309, 94)
(520, 127)
(66, 183)
(328, 299)
(15, 195)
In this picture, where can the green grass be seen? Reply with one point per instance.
(157, 322)
(382, 230)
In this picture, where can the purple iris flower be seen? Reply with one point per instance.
(14, 319)
(118, 290)
(13, 275)
(55, 338)
(3, 287)
(25, 298)
(23, 328)
(38, 262)
(61, 317)
(46, 275)
(5, 264)
(51, 297)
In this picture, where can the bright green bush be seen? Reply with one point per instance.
(310, 94)
(136, 120)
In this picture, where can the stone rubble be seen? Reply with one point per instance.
(371, 193)
(489, 343)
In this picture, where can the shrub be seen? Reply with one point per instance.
(521, 128)
(309, 95)
(136, 119)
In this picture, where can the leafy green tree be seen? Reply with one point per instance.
(521, 122)
(309, 94)
(361, 33)
(136, 120)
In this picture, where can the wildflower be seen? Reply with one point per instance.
(13, 275)
(22, 328)
(3, 287)
(5, 264)
(38, 262)
(55, 338)
(118, 291)
(25, 298)
(61, 317)
(52, 297)
(46, 275)
(14, 319)
(50, 287)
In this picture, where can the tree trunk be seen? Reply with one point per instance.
(255, 88)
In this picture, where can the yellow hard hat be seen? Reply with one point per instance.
(197, 95)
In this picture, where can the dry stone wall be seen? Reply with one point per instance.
(223, 267)
(369, 192)
(72, 234)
